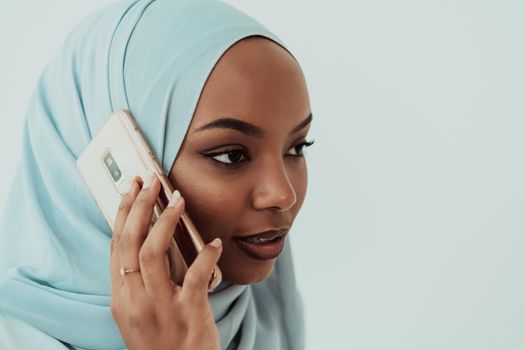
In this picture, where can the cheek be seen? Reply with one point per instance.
(213, 205)
(216, 204)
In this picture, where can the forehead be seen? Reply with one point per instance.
(257, 81)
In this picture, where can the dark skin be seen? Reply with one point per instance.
(257, 82)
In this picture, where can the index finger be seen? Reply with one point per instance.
(124, 208)
(122, 215)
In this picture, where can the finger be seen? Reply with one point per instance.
(122, 214)
(125, 206)
(195, 285)
(152, 257)
(136, 229)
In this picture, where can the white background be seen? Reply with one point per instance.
(412, 233)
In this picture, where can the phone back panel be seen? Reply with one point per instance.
(116, 155)
(108, 165)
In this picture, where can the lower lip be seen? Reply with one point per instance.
(262, 251)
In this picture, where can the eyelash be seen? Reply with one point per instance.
(299, 146)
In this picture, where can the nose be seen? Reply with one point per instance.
(273, 188)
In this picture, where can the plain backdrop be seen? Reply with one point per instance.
(412, 235)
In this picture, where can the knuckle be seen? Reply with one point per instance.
(143, 202)
(182, 327)
(124, 205)
(114, 307)
(138, 316)
(193, 279)
(125, 243)
(147, 256)
(113, 245)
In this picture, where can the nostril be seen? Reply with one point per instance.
(274, 191)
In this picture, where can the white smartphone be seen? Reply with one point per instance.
(117, 154)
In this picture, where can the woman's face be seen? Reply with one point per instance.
(246, 177)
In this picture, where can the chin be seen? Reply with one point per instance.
(248, 275)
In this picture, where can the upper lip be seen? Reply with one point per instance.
(270, 234)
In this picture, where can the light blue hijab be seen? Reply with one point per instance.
(152, 58)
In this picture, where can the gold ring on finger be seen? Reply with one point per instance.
(123, 271)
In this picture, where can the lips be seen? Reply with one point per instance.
(262, 246)
(266, 235)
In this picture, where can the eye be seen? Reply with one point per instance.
(234, 156)
(299, 148)
(229, 157)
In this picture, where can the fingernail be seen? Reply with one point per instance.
(147, 181)
(126, 187)
(174, 198)
(216, 242)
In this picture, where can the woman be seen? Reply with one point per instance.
(225, 107)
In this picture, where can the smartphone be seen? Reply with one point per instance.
(117, 154)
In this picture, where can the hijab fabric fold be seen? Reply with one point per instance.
(151, 57)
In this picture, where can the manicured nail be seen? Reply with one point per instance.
(216, 242)
(174, 198)
(126, 187)
(147, 180)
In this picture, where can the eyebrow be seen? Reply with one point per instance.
(245, 127)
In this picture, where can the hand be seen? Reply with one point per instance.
(151, 311)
